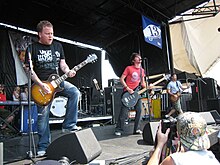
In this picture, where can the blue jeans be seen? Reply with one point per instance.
(72, 93)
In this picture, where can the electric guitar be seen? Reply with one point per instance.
(175, 97)
(130, 100)
(41, 98)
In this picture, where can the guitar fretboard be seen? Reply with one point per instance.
(65, 76)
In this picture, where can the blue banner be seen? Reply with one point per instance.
(152, 32)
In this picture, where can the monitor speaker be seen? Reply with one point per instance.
(149, 132)
(81, 146)
(208, 117)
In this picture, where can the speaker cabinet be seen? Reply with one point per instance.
(149, 132)
(209, 88)
(113, 102)
(81, 146)
(197, 105)
(183, 99)
(213, 104)
(205, 88)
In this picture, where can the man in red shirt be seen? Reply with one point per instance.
(132, 77)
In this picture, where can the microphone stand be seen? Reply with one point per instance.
(147, 83)
(31, 135)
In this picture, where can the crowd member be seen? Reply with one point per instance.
(24, 93)
(4, 113)
(48, 58)
(194, 142)
(132, 78)
(16, 94)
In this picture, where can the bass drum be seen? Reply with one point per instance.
(58, 106)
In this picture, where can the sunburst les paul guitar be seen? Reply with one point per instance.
(130, 100)
(41, 98)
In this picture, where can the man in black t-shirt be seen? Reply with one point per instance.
(47, 57)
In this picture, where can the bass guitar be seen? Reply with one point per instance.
(175, 97)
(41, 98)
(130, 100)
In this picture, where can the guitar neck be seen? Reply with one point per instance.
(155, 83)
(65, 76)
(158, 81)
(142, 90)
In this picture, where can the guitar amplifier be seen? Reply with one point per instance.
(113, 102)
(114, 82)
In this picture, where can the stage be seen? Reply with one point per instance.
(125, 149)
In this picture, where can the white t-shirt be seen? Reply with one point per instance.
(195, 157)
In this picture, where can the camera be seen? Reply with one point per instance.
(165, 124)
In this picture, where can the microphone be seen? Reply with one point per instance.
(96, 84)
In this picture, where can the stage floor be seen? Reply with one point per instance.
(126, 149)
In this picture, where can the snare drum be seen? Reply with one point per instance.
(58, 106)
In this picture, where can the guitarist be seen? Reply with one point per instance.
(46, 57)
(174, 89)
(131, 78)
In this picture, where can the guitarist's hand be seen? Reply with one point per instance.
(130, 90)
(71, 73)
(176, 96)
(46, 88)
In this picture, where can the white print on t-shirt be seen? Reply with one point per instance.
(45, 55)
(135, 77)
(57, 54)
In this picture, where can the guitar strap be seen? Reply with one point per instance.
(140, 77)
(55, 59)
(177, 86)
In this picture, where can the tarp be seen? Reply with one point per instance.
(195, 46)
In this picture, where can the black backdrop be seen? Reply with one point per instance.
(74, 55)
(120, 52)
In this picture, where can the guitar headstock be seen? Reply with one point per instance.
(167, 77)
(91, 58)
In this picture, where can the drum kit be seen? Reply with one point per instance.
(58, 105)
(84, 100)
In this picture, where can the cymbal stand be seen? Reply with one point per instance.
(81, 104)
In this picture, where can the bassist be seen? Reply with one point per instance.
(132, 77)
(46, 57)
